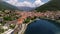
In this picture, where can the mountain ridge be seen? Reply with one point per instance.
(52, 5)
(6, 6)
(24, 8)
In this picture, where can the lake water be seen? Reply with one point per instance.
(42, 27)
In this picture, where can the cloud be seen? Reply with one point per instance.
(38, 3)
(13, 2)
(26, 3)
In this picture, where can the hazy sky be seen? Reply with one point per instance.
(27, 3)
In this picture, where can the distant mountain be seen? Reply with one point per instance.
(4, 5)
(24, 8)
(52, 5)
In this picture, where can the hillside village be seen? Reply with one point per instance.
(13, 20)
(9, 19)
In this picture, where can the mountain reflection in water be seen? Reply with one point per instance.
(42, 27)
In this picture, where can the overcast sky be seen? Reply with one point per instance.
(27, 3)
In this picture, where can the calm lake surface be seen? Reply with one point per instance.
(42, 27)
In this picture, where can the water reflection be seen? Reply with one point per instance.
(42, 27)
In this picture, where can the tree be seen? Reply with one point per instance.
(7, 18)
(27, 20)
(1, 30)
(12, 26)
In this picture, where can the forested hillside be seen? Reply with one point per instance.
(6, 6)
(51, 5)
